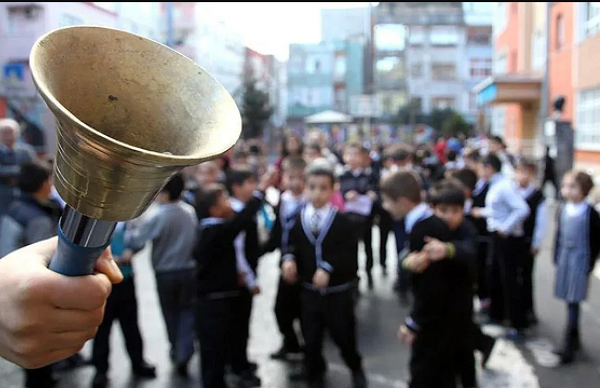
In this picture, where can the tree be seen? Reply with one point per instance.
(255, 110)
(437, 117)
(455, 125)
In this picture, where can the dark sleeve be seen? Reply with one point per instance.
(274, 240)
(345, 180)
(593, 236)
(465, 247)
(557, 235)
(239, 221)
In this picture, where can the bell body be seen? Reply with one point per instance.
(130, 113)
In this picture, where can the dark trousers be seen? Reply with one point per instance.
(241, 331)
(122, 306)
(176, 295)
(435, 360)
(386, 222)
(364, 227)
(334, 312)
(528, 264)
(287, 310)
(39, 378)
(506, 286)
(214, 325)
(483, 269)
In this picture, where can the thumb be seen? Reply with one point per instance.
(107, 266)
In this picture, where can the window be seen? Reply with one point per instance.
(67, 20)
(538, 50)
(416, 36)
(416, 70)
(500, 18)
(313, 65)
(443, 72)
(500, 64)
(444, 35)
(23, 20)
(339, 69)
(498, 120)
(560, 32)
(442, 102)
(340, 98)
(480, 67)
(473, 101)
(587, 128)
(592, 22)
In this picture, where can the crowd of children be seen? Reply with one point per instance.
(468, 224)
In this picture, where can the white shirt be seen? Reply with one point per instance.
(309, 212)
(290, 203)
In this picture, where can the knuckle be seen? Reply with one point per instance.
(30, 289)
(26, 348)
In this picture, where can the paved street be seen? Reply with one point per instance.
(528, 366)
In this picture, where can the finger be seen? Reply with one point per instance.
(47, 358)
(87, 293)
(73, 339)
(42, 251)
(75, 320)
(107, 266)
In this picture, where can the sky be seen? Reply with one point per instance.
(269, 28)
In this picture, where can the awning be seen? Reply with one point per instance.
(508, 88)
(328, 117)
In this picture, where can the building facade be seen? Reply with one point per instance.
(445, 51)
(515, 90)
(340, 24)
(21, 24)
(323, 77)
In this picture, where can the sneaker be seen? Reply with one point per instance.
(515, 335)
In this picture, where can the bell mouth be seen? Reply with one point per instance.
(135, 93)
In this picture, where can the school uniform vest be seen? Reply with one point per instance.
(479, 202)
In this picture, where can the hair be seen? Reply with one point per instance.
(447, 192)
(402, 184)
(320, 167)
(33, 176)
(293, 163)
(314, 147)
(237, 176)
(451, 155)
(473, 155)
(528, 164)
(400, 153)
(493, 161)
(284, 150)
(583, 180)
(10, 123)
(467, 177)
(174, 187)
(207, 197)
(354, 145)
(499, 140)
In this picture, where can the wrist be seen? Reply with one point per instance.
(450, 250)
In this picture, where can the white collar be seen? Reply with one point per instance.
(418, 213)
(322, 210)
(237, 205)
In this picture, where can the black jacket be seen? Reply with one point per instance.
(215, 251)
(339, 249)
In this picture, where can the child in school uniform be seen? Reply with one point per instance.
(287, 301)
(241, 183)
(217, 276)
(577, 247)
(447, 199)
(358, 187)
(534, 228)
(431, 327)
(323, 257)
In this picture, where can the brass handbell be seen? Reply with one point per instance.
(130, 113)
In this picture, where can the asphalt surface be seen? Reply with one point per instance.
(528, 365)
